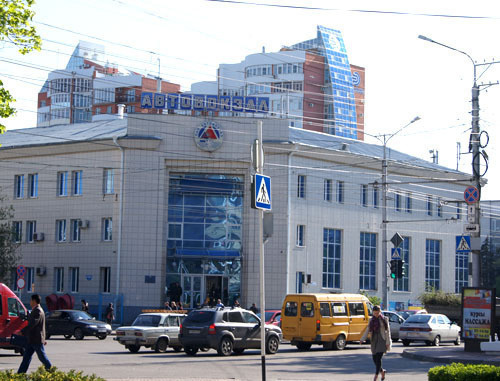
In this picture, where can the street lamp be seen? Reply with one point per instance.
(474, 149)
(384, 139)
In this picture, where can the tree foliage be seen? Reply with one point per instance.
(15, 28)
(8, 248)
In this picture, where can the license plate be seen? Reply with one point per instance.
(102, 331)
(194, 331)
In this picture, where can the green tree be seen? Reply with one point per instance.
(8, 248)
(490, 264)
(15, 28)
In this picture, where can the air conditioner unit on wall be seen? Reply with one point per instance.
(83, 224)
(38, 237)
(41, 271)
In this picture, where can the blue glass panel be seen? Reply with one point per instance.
(193, 214)
(215, 215)
(174, 199)
(215, 231)
(216, 200)
(175, 214)
(197, 200)
(193, 231)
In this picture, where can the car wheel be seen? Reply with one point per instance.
(102, 336)
(190, 351)
(133, 348)
(272, 345)
(437, 341)
(428, 343)
(225, 346)
(177, 349)
(457, 341)
(79, 334)
(67, 337)
(239, 351)
(406, 342)
(339, 343)
(161, 345)
(301, 346)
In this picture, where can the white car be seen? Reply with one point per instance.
(430, 328)
(152, 330)
(395, 321)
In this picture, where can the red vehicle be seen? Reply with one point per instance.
(273, 317)
(12, 317)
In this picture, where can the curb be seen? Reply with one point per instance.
(448, 360)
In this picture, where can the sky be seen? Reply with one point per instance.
(405, 76)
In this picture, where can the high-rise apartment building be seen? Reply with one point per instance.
(311, 83)
(89, 88)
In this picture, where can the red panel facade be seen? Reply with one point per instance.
(314, 101)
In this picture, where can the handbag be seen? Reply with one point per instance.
(18, 340)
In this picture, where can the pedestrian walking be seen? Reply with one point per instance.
(35, 336)
(85, 306)
(219, 304)
(167, 306)
(380, 337)
(254, 308)
(110, 313)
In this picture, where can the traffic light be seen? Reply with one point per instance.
(394, 268)
(400, 270)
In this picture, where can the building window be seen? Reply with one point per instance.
(17, 231)
(33, 185)
(301, 186)
(327, 190)
(107, 229)
(75, 230)
(74, 273)
(77, 183)
(429, 205)
(439, 207)
(105, 280)
(131, 95)
(108, 181)
(397, 201)
(340, 192)
(432, 263)
(364, 195)
(408, 202)
(301, 235)
(108, 110)
(403, 284)
(331, 258)
(367, 261)
(461, 271)
(61, 230)
(19, 186)
(13, 280)
(59, 279)
(30, 231)
(30, 279)
(62, 184)
(375, 196)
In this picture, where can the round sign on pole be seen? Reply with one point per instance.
(471, 195)
(21, 283)
(21, 271)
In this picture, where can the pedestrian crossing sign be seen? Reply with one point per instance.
(463, 243)
(261, 192)
(396, 253)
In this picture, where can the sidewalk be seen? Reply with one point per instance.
(447, 355)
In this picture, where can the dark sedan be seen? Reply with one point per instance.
(75, 323)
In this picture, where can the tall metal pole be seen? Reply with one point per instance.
(474, 141)
(385, 283)
(260, 164)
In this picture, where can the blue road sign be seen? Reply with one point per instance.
(396, 253)
(471, 195)
(262, 192)
(463, 243)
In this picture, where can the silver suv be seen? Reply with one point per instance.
(226, 330)
(152, 330)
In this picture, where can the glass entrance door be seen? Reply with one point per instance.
(192, 290)
(216, 288)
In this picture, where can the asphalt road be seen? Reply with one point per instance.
(110, 360)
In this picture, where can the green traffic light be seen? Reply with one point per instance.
(393, 276)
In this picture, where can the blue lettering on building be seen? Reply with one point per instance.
(202, 102)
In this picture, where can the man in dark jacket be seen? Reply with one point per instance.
(35, 336)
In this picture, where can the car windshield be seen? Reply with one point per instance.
(200, 316)
(269, 315)
(146, 321)
(419, 318)
(80, 315)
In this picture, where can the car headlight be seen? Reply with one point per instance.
(108, 327)
(92, 326)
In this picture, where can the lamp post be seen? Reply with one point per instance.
(474, 149)
(384, 139)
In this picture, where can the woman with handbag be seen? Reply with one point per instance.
(379, 333)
